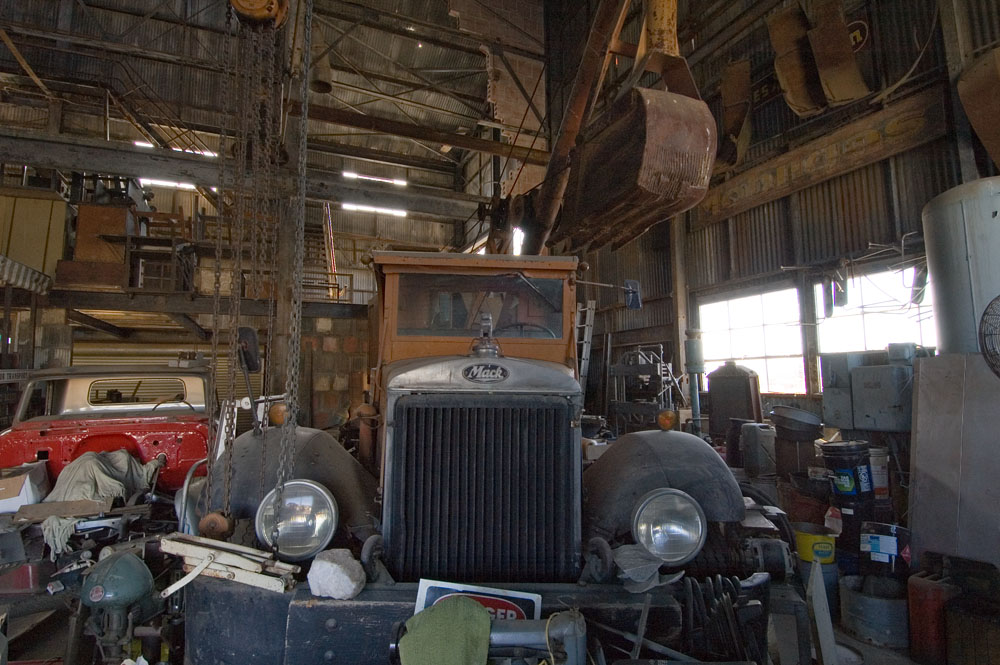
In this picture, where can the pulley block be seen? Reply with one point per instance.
(261, 11)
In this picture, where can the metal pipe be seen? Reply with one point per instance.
(567, 628)
(695, 368)
(550, 197)
(182, 518)
(661, 26)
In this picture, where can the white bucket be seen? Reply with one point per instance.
(880, 471)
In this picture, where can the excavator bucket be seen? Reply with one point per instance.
(648, 158)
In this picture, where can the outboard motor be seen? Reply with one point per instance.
(119, 592)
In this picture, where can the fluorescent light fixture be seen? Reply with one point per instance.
(351, 175)
(206, 153)
(517, 241)
(395, 212)
(148, 182)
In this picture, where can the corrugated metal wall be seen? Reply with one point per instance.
(820, 225)
(646, 260)
(984, 19)
(841, 216)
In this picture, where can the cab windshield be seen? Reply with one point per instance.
(453, 305)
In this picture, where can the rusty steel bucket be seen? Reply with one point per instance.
(648, 158)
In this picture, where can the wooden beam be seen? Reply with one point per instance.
(192, 325)
(396, 128)
(901, 126)
(97, 324)
(24, 63)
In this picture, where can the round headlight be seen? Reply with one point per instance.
(306, 520)
(670, 525)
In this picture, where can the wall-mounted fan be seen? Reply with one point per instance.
(989, 335)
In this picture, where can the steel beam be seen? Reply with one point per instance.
(731, 32)
(397, 128)
(121, 159)
(382, 157)
(190, 324)
(414, 29)
(180, 303)
(416, 84)
(105, 46)
(90, 322)
(957, 39)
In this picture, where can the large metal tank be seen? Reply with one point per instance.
(962, 237)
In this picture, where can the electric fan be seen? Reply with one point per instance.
(989, 335)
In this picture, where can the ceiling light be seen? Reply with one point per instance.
(149, 182)
(351, 175)
(353, 207)
(193, 151)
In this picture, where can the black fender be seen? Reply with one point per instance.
(643, 461)
(318, 456)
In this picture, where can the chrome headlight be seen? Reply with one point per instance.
(670, 525)
(305, 522)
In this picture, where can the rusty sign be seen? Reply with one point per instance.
(903, 126)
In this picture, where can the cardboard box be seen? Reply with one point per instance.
(23, 485)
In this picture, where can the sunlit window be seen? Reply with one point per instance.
(761, 332)
(879, 310)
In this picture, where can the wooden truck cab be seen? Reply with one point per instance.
(432, 305)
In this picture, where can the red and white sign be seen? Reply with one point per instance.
(500, 603)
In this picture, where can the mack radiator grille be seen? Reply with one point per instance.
(483, 489)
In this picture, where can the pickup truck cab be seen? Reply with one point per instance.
(66, 412)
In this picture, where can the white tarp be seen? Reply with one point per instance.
(109, 475)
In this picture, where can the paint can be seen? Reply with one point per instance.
(850, 464)
(879, 459)
(814, 543)
(874, 615)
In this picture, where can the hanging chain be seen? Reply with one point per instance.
(266, 230)
(220, 215)
(295, 323)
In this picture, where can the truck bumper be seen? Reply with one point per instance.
(240, 625)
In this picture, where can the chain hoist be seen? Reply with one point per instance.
(247, 219)
(288, 428)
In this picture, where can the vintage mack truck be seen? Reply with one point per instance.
(469, 469)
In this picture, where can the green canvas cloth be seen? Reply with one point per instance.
(455, 631)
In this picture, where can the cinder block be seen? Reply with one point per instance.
(341, 382)
(321, 383)
(331, 344)
(323, 324)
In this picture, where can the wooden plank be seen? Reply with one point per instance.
(905, 125)
(265, 558)
(277, 584)
(37, 512)
(25, 624)
(193, 553)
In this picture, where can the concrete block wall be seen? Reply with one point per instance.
(334, 365)
(516, 23)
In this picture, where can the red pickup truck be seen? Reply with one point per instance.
(66, 412)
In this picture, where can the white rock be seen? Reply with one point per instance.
(336, 574)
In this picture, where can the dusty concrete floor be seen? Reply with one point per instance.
(874, 655)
